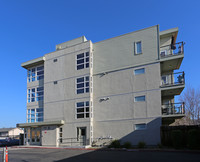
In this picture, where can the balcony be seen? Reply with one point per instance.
(171, 56)
(172, 83)
(172, 79)
(172, 50)
(173, 109)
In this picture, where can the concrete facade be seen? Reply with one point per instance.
(120, 92)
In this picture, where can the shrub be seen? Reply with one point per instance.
(115, 144)
(141, 144)
(159, 145)
(127, 145)
(177, 137)
(193, 139)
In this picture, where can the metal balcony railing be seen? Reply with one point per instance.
(172, 50)
(173, 109)
(172, 79)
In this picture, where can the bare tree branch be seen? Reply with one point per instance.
(191, 98)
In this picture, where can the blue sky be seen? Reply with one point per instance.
(31, 28)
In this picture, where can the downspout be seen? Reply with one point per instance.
(158, 42)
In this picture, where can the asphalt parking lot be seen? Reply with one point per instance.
(62, 155)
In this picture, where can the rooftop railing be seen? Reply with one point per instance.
(172, 79)
(173, 109)
(172, 50)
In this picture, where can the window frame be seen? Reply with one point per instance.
(35, 94)
(84, 107)
(33, 75)
(136, 48)
(145, 124)
(163, 53)
(85, 87)
(86, 60)
(165, 79)
(140, 100)
(138, 70)
(33, 116)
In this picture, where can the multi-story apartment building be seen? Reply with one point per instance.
(119, 88)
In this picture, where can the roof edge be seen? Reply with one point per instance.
(168, 31)
(127, 33)
(23, 125)
(33, 62)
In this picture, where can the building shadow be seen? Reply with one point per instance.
(102, 155)
(150, 135)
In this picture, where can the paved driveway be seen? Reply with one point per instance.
(62, 155)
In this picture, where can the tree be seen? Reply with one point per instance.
(191, 98)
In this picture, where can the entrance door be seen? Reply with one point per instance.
(81, 135)
(35, 136)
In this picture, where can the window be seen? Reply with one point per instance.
(60, 135)
(139, 98)
(165, 79)
(35, 115)
(139, 71)
(163, 53)
(140, 126)
(138, 47)
(82, 85)
(82, 109)
(35, 94)
(36, 73)
(82, 60)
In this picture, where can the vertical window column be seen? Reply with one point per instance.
(82, 60)
(82, 85)
(36, 73)
(35, 115)
(82, 110)
(35, 94)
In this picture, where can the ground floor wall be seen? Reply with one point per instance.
(76, 134)
(49, 136)
(70, 134)
(134, 131)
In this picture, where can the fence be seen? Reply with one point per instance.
(184, 136)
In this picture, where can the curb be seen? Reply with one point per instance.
(114, 149)
(63, 148)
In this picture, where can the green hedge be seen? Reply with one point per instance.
(127, 145)
(193, 139)
(177, 138)
(181, 136)
(115, 144)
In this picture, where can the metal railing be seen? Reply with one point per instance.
(173, 109)
(173, 79)
(72, 141)
(172, 49)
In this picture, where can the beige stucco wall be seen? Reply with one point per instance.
(15, 132)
